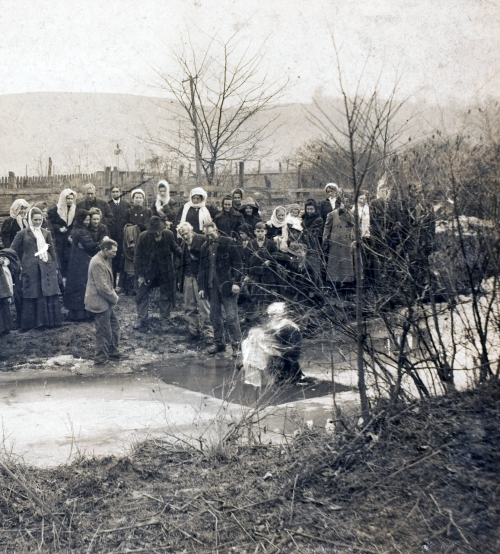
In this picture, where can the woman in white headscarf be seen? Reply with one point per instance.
(333, 201)
(17, 221)
(136, 219)
(163, 204)
(40, 305)
(196, 212)
(137, 214)
(277, 227)
(61, 218)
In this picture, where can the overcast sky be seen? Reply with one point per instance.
(445, 47)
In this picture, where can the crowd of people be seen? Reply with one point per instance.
(229, 263)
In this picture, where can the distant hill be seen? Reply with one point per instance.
(82, 129)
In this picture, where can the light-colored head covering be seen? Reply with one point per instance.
(283, 225)
(333, 201)
(62, 207)
(277, 308)
(14, 212)
(162, 200)
(334, 185)
(137, 191)
(274, 218)
(278, 312)
(292, 220)
(89, 187)
(41, 244)
(203, 213)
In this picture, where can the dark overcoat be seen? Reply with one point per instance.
(33, 268)
(167, 211)
(99, 232)
(78, 267)
(229, 223)
(193, 217)
(63, 247)
(153, 260)
(325, 207)
(138, 215)
(107, 214)
(10, 228)
(116, 229)
(228, 264)
(190, 257)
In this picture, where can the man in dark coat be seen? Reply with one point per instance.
(100, 299)
(196, 309)
(118, 208)
(219, 278)
(229, 220)
(92, 202)
(154, 267)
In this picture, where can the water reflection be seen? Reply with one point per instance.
(220, 377)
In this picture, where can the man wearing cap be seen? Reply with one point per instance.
(91, 201)
(154, 267)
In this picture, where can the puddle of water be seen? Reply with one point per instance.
(219, 377)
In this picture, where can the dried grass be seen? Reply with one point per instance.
(423, 478)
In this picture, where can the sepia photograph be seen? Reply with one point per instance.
(250, 277)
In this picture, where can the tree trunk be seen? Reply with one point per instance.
(360, 328)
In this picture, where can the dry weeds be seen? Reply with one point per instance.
(424, 478)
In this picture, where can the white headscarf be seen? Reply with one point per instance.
(283, 225)
(14, 212)
(41, 244)
(333, 201)
(137, 191)
(62, 207)
(203, 213)
(162, 200)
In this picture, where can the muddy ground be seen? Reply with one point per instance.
(421, 477)
(26, 350)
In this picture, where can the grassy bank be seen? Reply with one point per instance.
(420, 478)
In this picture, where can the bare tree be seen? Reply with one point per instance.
(362, 131)
(223, 105)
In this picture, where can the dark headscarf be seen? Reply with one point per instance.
(80, 217)
(309, 218)
(247, 229)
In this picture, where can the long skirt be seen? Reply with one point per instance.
(6, 322)
(43, 311)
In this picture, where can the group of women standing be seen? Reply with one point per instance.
(54, 252)
(323, 234)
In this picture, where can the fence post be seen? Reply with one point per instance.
(299, 175)
(280, 167)
(242, 175)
